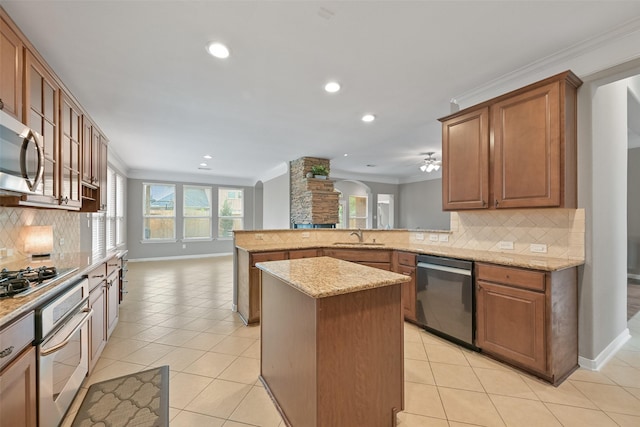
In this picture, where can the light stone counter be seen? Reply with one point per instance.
(325, 276)
(501, 258)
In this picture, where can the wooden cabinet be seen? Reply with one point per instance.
(18, 391)
(376, 258)
(102, 170)
(18, 373)
(249, 283)
(94, 168)
(113, 295)
(90, 153)
(523, 143)
(97, 326)
(405, 263)
(528, 318)
(70, 152)
(41, 108)
(303, 253)
(465, 179)
(11, 61)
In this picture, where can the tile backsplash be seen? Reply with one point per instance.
(66, 229)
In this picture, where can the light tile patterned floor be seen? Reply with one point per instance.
(178, 313)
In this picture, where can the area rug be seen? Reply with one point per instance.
(140, 399)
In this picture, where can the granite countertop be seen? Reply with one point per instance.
(501, 258)
(325, 276)
(13, 307)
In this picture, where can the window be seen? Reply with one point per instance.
(357, 212)
(230, 211)
(115, 209)
(197, 212)
(159, 212)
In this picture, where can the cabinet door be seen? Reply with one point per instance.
(526, 137)
(10, 71)
(70, 152)
(303, 253)
(113, 301)
(408, 292)
(100, 143)
(18, 391)
(41, 109)
(97, 326)
(511, 324)
(87, 152)
(465, 161)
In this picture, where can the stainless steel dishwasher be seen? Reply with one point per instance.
(445, 301)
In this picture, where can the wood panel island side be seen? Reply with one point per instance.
(332, 342)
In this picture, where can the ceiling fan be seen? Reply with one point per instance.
(430, 163)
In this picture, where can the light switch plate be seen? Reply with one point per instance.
(443, 237)
(419, 236)
(304, 234)
(506, 244)
(259, 236)
(433, 237)
(538, 248)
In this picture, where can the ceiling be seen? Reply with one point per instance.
(141, 70)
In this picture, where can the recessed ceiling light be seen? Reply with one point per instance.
(218, 50)
(332, 87)
(346, 154)
(367, 118)
(203, 164)
(207, 156)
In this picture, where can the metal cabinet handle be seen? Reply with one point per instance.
(496, 202)
(7, 351)
(112, 265)
(98, 277)
(484, 203)
(1, 104)
(57, 347)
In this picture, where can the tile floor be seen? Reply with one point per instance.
(178, 313)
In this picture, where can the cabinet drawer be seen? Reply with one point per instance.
(380, 265)
(97, 275)
(356, 255)
(527, 279)
(303, 253)
(268, 256)
(407, 258)
(17, 336)
(112, 265)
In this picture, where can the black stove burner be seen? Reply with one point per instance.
(15, 282)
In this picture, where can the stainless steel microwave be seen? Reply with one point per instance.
(21, 156)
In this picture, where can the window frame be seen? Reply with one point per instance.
(185, 216)
(220, 217)
(144, 216)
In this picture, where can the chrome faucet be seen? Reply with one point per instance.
(357, 233)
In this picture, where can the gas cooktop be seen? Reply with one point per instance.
(30, 279)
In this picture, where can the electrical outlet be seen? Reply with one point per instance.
(419, 236)
(184, 246)
(305, 234)
(259, 236)
(62, 241)
(538, 248)
(506, 244)
(433, 237)
(443, 238)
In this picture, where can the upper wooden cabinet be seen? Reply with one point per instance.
(465, 179)
(11, 62)
(523, 143)
(41, 114)
(70, 152)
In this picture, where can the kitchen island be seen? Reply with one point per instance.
(332, 342)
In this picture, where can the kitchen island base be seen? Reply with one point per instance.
(333, 361)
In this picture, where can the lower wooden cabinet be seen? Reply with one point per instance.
(405, 263)
(529, 318)
(113, 302)
(97, 327)
(372, 258)
(18, 391)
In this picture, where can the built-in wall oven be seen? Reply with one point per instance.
(62, 351)
(445, 301)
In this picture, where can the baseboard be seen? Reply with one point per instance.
(633, 276)
(606, 354)
(169, 258)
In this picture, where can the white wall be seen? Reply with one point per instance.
(275, 202)
(633, 212)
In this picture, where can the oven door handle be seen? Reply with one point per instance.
(453, 270)
(85, 319)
